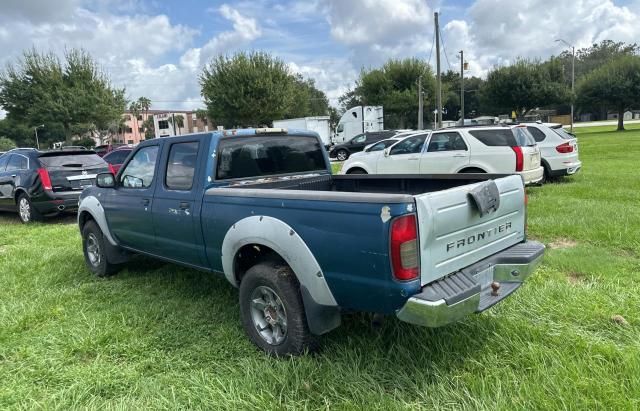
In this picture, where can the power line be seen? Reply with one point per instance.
(445, 51)
(433, 41)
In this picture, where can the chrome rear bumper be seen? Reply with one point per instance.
(469, 290)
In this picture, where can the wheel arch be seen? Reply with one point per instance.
(19, 191)
(91, 209)
(467, 168)
(258, 238)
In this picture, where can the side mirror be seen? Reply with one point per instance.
(386, 152)
(105, 180)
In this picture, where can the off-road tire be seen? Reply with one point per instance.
(94, 250)
(282, 281)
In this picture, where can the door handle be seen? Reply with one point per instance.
(13, 175)
(145, 202)
(413, 158)
(459, 155)
(184, 205)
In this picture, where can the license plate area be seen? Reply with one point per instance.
(485, 277)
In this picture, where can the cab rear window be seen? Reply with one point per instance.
(241, 157)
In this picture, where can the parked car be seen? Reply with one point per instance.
(104, 149)
(44, 183)
(558, 148)
(116, 157)
(358, 143)
(399, 135)
(481, 149)
(257, 206)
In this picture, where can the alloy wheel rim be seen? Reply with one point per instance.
(342, 156)
(24, 209)
(93, 250)
(269, 315)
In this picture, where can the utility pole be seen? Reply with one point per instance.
(420, 104)
(461, 88)
(173, 123)
(35, 129)
(438, 79)
(573, 75)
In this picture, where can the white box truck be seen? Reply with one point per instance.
(319, 124)
(358, 120)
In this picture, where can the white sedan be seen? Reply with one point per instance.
(492, 149)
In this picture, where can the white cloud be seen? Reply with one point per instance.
(376, 30)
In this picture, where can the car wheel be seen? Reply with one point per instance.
(272, 311)
(93, 246)
(26, 210)
(342, 155)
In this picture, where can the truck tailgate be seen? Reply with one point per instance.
(454, 235)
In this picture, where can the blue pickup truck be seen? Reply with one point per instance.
(261, 207)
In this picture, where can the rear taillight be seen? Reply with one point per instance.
(564, 148)
(404, 248)
(45, 179)
(519, 157)
(112, 169)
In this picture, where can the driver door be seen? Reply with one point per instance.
(128, 206)
(402, 157)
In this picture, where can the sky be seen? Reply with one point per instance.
(157, 49)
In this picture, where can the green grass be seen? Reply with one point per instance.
(162, 336)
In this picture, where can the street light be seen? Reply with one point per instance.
(573, 75)
(35, 129)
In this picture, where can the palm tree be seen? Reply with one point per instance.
(179, 119)
(134, 108)
(144, 104)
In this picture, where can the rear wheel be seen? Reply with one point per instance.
(93, 246)
(26, 211)
(356, 171)
(272, 311)
(342, 155)
(472, 170)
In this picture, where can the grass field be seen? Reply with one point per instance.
(161, 336)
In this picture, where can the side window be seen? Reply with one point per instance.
(537, 134)
(181, 166)
(380, 146)
(140, 170)
(495, 138)
(446, 142)
(340, 128)
(410, 145)
(359, 139)
(17, 162)
(3, 162)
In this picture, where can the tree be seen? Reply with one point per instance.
(6, 144)
(85, 142)
(615, 84)
(144, 105)
(394, 86)
(135, 109)
(179, 122)
(40, 89)
(149, 128)
(523, 86)
(253, 89)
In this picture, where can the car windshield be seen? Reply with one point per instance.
(563, 133)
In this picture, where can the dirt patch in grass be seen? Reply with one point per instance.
(576, 277)
(562, 243)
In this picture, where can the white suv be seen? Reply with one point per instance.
(558, 148)
(481, 149)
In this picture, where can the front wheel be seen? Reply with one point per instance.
(26, 211)
(342, 155)
(94, 247)
(272, 311)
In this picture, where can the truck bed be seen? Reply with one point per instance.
(324, 185)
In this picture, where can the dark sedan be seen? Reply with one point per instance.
(358, 143)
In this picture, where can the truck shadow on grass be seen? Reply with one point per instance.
(206, 303)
